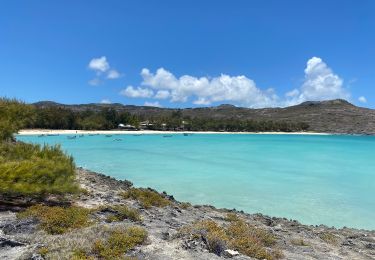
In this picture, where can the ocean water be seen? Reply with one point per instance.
(315, 179)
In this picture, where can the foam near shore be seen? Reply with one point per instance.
(52, 131)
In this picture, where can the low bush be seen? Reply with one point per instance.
(231, 217)
(185, 205)
(34, 170)
(121, 213)
(329, 238)
(119, 242)
(146, 197)
(298, 242)
(238, 235)
(58, 220)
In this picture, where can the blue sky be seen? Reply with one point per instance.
(188, 53)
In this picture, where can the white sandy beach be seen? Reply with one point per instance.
(50, 131)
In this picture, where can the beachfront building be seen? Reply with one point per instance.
(127, 127)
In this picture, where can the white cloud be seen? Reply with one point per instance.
(204, 90)
(152, 104)
(320, 83)
(292, 93)
(362, 99)
(113, 74)
(138, 92)
(105, 101)
(99, 64)
(162, 94)
(94, 82)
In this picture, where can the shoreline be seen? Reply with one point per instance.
(106, 176)
(148, 132)
(177, 230)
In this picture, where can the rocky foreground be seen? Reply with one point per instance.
(23, 239)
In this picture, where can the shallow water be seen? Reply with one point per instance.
(314, 179)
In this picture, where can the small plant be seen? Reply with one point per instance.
(43, 251)
(185, 205)
(80, 254)
(231, 217)
(329, 238)
(238, 235)
(123, 212)
(146, 197)
(299, 242)
(58, 220)
(119, 242)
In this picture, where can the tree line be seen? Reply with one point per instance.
(109, 118)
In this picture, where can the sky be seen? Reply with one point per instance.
(251, 53)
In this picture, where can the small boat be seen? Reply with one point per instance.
(117, 139)
(108, 135)
(167, 135)
(72, 137)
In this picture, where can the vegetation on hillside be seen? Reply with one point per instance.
(238, 235)
(58, 220)
(13, 116)
(55, 117)
(146, 197)
(27, 169)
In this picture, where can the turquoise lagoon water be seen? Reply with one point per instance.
(314, 179)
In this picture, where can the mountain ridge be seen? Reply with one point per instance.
(331, 116)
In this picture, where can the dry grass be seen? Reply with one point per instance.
(119, 242)
(185, 205)
(298, 242)
(231, 217)
(146, 198)
(238, 235)
(82, 244)
(121, 213)
(58, 220)
(329, 238)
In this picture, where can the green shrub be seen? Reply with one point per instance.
(80, 254)
(238, 235)
(329, 238)
(13, 115)
(185, 205)
(231, 217)
(119, 242)
(58, 220)
(34, 170)
(146, 198)
(123, 212)
(298, 242)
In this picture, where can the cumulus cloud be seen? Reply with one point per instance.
(105, 101)
(362, 99)
(152, 104)
(103, 71)
(204, 91)
(138, 92)
(162, 94)
(113, 74)
(319, 83)
(99, 64)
